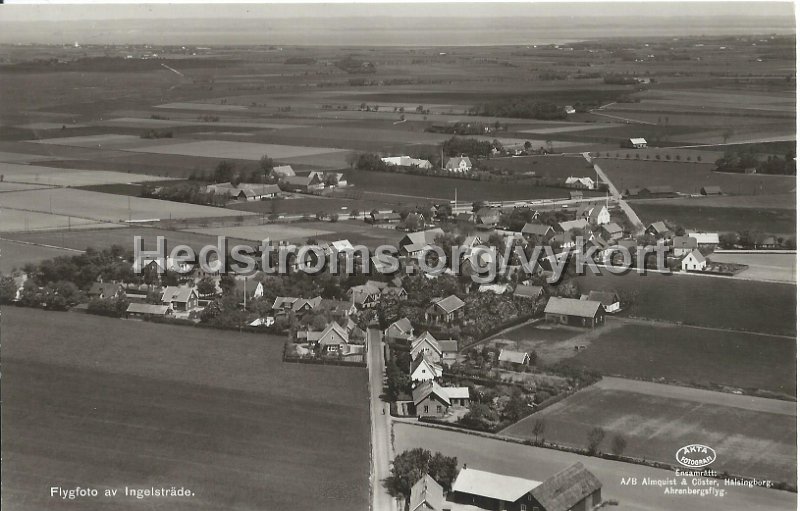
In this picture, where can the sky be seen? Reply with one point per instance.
(409, 23)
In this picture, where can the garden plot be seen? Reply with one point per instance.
(51, 176)
(104, 207)
(235, 150)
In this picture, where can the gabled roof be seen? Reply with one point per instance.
(516, 357)
(449, 304)
(457, 392)
(697, 255)
(107, 289)
(283, 170)
(605, 297)
(493, 486)
(612, 228)
(453, 163)
(637, 141)
(180, 294)
(434, 368)
(705, 238)
(403, 325)
(427, 338)
(537, 229)
(659, 189)
(572, 307)
(659, 227)
(596, 211)
(565, 489)
(573, 224)
(425, 389)
(448, 346)
(523, 291)
(333, 334)
(711, 190)
(421, 238)
(684, 242)
(147, 308)
(426, 494)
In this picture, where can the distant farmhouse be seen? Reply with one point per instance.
(245, 191)
(407, 161)
(635, 143)
(282, 171)
(580, 182)
(459, 164)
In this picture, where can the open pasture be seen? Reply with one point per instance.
(54, 176)
(234, 150)
(134, 122)
(771, 201)
(15, 255)
(655, 424)
(108, 140)
(14, 220)
(7, 157)
(714, 302)
(114, 403)
(104, 207)
(211, 107)
(706, 218)
(770, 267)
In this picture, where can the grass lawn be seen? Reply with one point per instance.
(101, 402)
(693, 356)
(704, 301)
(747, 442)
(776, 221)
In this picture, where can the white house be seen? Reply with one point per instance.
(407, 161)
(694, 261)
(580, 182)
(423, 369)
(705, 238)
(637, 143)
(459, 164)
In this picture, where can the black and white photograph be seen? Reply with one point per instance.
(419, 256)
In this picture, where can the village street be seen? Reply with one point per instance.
(380, 425)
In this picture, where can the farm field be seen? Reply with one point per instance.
(103, 207)
(311, 204)
(490, 454)
(111, 403)
(15, 255)
(134, 122)
(203, 106)
(773, 267)
(709, 218)
(55, 176)
(691, 355)
(690, 177)
(704, 301)
(110, 141)
(772, 201)
(7, 186)
(12, 220)
(7, 157)
(234, 150)
(755, 443)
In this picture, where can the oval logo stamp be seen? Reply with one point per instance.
(696, 455)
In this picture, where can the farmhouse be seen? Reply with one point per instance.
(400, 329)
(682, 245)
(426, 495)
(146, 310)
(528, 292)
(609, 299)
(569, 311)
(514, 357)
(705, 238)
(303, 184)
(658, 229)
(331, 340)
(424, 369)
(329, 179)
(694, 261)
(383, 218)
(635, 143)
(612, 230)
(444, 351)
(445, 310)
(105, 290)
(407, 161)
(280, 171)
(586, 183)
(430, 399)
(245, 191)
(711, 190)
(459, 164)
(414, 242)
(180, 298)
(541, 231)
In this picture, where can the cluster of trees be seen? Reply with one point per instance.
(410, 466)
(523, 108)
(353, 66)
(228, 172)
(191, 193)
(157, 134)
(457, 146)
(467, 128)
(740, 161)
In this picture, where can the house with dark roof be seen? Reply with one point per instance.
(426, 495)
(424, 369)
(487, 216)
(445, 310)
(287, 304)
(430, 399)
(682, 245)
(541, 231)
(528, 292)
(711, 190)
(659, 230)
(574, 312)
(303, 184)
(399, 330)
(180, 298)
(571, 489)
(609, 299)
(383, 218)
(444, 351)
(612, 231)
(414, 242)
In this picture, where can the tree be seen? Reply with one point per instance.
(228, 284)
(8, 290)
(334, 217)
(410, 466)
(206, 286)
(727, 133)
(618, 444)
(538, 431)
(224, 172)
(265, 165)
(595, 438)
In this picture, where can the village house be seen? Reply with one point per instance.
(424, 369)
(407, 161)
(585, 183)
(635, 143)
(147, 310)
(459, 164)
(180, 298)
(513, 358)
(281, 171)
(581, 224)
(302, 184)
(426, 495)
(329, 179)
(434, 401)
(682, 245)
(659, 230)
(414, 242)
(613, 231)
(105, 290)
(445, 310)
(694, 261)
(609, 299)
(487, 216)
(574, 312)
(444, 351)
(575, 195)
(541, 231)
(528, 292)
(571, 489)
(383, 218)
(287, 304)
(332, 340)
(399, 330)
(594, 214)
